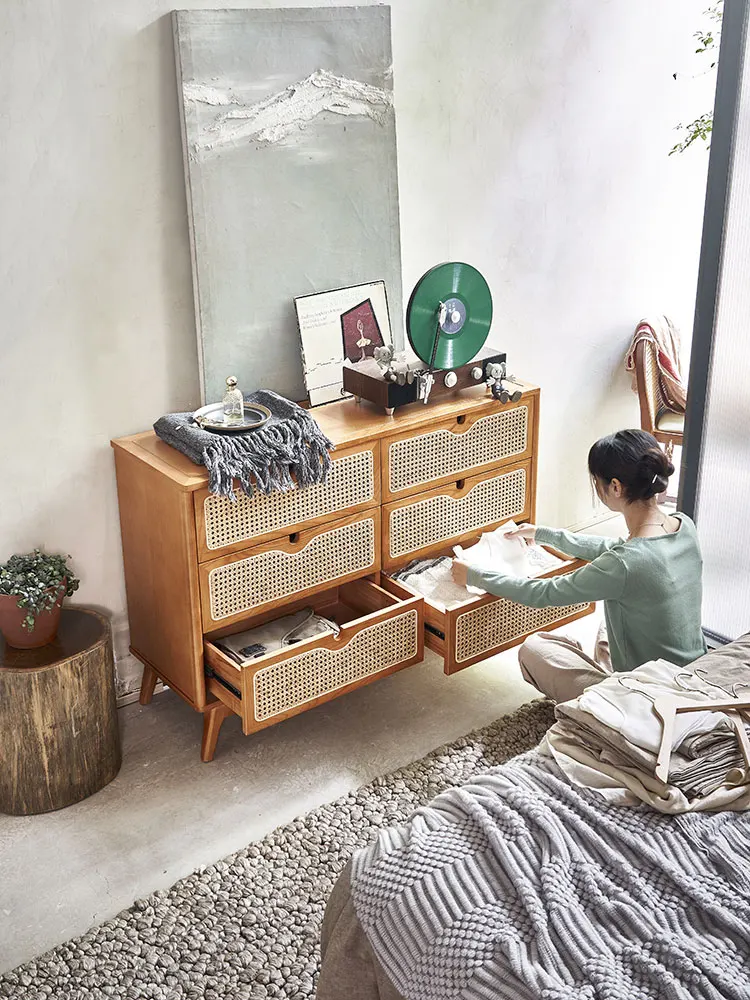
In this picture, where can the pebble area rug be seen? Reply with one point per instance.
(248, 927)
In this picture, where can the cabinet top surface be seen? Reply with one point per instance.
(346, 423)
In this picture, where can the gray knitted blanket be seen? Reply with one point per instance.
(521, 886)
(288, 447)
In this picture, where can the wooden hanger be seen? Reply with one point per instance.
(667, 707)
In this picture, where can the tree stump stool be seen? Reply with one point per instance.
(59, 736)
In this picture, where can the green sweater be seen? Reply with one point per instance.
(651, 588)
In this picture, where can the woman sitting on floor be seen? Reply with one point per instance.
(650, 582)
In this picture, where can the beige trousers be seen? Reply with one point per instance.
(557, 666)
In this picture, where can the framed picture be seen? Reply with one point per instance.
(338, 327)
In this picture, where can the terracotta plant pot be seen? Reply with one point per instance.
(17, 635)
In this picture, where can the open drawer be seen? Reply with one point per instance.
(485, 625)
(380, 634)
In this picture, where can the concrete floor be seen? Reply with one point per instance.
(167, 814)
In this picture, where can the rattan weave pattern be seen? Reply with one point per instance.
(501, 621)
(438, 518)
(273, 574)
(351, 481)
(289, 684)
(420, 460)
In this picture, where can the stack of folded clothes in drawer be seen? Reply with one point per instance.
(433, 578)
(610, 737)
(495, 551)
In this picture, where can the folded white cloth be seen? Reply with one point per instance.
(434, 580)
(510, 556)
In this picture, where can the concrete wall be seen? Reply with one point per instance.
(533, 142)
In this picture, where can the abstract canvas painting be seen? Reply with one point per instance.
(290, 161)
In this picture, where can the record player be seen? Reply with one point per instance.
(447, 322)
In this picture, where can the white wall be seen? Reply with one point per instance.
(533, 140)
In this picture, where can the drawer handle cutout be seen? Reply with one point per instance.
(460, 483)
(294, 537)
(461, 419)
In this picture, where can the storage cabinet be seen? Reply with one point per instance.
(200, 567)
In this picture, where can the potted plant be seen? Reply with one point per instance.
(32, 588)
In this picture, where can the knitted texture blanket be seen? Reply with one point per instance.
(289, 446)
(520, 886)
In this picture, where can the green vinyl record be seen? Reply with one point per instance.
(466, 325)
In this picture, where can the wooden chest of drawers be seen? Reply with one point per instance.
(199, 567)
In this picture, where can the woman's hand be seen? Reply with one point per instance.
(525, 531)
(460, 573)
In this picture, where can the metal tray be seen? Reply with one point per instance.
(211, 418)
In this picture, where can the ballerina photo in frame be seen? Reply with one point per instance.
(338, 327)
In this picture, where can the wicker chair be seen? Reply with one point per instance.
(666, 425)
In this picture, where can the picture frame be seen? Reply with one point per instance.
(337, 327)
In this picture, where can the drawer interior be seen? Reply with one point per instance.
(463, 634)
(568, 564)
(379, 632)
(342, 605)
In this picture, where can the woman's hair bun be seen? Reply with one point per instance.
(657, 470)
(635, 459)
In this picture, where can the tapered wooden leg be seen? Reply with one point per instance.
(147, 685)
(213, 716)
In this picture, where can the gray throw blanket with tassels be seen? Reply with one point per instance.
(290, 447)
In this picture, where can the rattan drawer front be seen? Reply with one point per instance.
(457, 449)
(449, 513)
(501, 623)
(283, 687)
(223, 526)
(278, 571)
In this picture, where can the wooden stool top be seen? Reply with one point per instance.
(80, 629)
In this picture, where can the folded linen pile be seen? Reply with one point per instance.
(610, 737)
